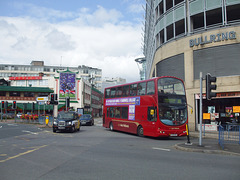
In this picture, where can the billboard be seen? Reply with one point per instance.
(67, 85)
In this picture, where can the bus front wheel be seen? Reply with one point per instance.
(111, 126)
(140, 131)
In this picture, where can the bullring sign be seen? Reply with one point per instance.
(212, 38)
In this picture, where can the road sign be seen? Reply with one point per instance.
(41, 102)
(42, 99)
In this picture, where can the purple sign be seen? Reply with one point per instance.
(67, 85)
(123, 101)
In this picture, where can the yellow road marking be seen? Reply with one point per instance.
(21, 154)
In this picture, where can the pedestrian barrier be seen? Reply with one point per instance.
(39, 120)
(229, 134)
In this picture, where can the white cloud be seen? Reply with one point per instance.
(97, 39)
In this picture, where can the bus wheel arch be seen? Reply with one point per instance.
(140, 131)
(111, 126)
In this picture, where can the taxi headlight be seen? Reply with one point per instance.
(69, 123)
(54, 122)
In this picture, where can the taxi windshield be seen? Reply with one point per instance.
(65, 116)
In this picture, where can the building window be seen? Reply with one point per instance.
(169, 4)
(214, 17)
(233, 13)
(33, 82)
(180, 27)
(43, 82)
(2, 93)
(21, 83)
(170, 32)
(198, 21)
(14, 94)
(43, 94)
(28, 94)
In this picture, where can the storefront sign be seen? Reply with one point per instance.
(236, 109)
(206, 116)
(26, 78)
(212, 38)
(208, 127)
(221, 95)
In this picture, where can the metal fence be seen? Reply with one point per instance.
(40, 120)
(229, 134)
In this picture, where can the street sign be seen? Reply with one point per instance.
(42, 99)
(41, 102)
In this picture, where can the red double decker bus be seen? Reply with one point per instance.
(155, 107)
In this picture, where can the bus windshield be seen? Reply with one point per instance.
(172, 101)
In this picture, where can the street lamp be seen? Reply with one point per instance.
(141, 62)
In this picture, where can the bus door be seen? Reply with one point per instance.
(150, 127)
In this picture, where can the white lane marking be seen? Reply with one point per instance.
(12, 124)
(0, 126)
(161, 149)
(29, 132)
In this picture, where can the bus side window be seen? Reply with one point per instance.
(125, 91)
(113, 92)
(141, 89)
(107, 93)
(125, 112)
(119, 91)
(150, 87)
(152, 114)
(111, 112)
(117, 112)
(133, 89)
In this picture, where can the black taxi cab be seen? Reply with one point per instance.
(66, 121)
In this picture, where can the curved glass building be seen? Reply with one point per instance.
(185, 37)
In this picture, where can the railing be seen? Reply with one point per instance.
(229, 134)
(40, 120)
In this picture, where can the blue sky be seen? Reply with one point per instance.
(96, 33)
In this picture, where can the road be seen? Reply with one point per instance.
(29, 152)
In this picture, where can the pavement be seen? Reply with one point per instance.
(209, 142)
(209, 145)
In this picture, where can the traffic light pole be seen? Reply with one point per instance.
(200, 119)
(1, 113)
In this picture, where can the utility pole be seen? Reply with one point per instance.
(200, 119)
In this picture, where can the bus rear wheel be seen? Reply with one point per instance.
(111, 126)
(140, 131)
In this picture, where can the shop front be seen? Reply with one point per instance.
(223, 110)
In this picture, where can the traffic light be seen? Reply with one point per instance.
(14, 106)
(2, 104)
(53, 99)
(209, 86)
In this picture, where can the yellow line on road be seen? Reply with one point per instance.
(21, 154)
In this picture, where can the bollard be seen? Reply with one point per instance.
(188, 138)
(47, 120)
